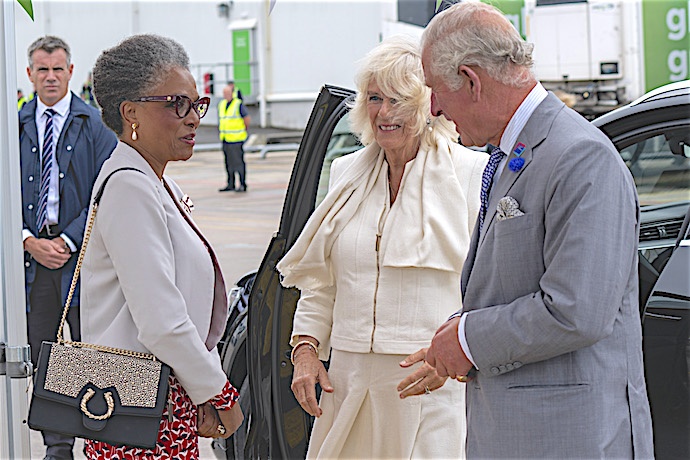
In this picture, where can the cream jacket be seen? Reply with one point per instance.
(147, 278)
(376, 308)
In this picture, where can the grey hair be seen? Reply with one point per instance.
(131, 69)
(395, 65)
(475, 33)
(48, 43)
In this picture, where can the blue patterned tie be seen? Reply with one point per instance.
(46, 166)
(487, 179)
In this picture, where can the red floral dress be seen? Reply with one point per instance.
(177, 439)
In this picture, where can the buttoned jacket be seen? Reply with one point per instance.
(82, 147)
(388, 309)
(551, 297)
(148, 279)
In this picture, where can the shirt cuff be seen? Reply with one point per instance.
(69, 242)
(25, 234)
(463, 339)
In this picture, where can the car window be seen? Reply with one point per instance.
(660, 175)
(342, 143)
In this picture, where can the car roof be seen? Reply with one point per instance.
(673, 94)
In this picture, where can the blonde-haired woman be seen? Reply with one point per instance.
(378, 266)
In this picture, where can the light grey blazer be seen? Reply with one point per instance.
(553, 321)
(148, 279)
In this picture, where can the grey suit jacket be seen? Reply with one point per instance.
(553, 322)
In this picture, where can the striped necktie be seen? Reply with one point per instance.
(46, 167)
(487, 179)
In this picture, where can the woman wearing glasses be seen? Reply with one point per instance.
(150, 280)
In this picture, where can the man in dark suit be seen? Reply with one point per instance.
(63, 144)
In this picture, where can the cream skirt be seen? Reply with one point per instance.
(365, 418)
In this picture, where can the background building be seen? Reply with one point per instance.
(280, 52)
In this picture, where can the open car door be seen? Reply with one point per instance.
(279, 428)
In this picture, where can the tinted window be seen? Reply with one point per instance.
(342, 143)
(417, 12)
(660, 175)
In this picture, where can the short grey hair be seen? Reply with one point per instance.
(131, 69)
(395, 65)
(48, 43)
(477, 34)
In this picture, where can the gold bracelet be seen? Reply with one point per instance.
(299, 344)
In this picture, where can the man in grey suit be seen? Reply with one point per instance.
(550, 329)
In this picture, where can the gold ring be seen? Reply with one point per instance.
(462, 378)
(427, 390)
(221, 428)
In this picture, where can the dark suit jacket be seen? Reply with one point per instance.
(84, 144)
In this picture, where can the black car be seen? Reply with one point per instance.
(653, 136)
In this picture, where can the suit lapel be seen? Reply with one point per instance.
(69, 135)
(27, 122)
(469, 260)
(533, 134)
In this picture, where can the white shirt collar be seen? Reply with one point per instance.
(61, 106)
(520, 117)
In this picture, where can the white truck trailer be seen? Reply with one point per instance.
(604, 52)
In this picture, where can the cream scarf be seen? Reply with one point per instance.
(426, 218)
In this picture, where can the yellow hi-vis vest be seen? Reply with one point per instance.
(230, 122)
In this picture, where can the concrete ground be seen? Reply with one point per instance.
(239, 226)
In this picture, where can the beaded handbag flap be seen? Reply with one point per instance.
(71, 368)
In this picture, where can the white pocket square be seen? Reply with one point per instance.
(507, 208)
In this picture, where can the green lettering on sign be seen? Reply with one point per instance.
(241, 52)
(666, 41)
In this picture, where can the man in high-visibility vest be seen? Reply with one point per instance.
(21, 99)
(233, 121)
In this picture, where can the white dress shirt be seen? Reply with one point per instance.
(508, 139)
(61, 109)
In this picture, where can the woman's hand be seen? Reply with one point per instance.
(423, 380)
(214, 423)
(309, 371)
(207, 421)
(231, 419)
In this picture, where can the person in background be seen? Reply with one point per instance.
(233, 122)
(550, 330)
(21, 99)
(62, 145)
(151, 281)
(87, 91)
(378, 265)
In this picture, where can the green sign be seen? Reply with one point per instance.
(666, 41)
(513, 11)
(241, 56)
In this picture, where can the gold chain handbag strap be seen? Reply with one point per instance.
(75, 279)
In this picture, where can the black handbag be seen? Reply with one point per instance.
(97, 392)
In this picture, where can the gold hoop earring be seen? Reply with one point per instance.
(134, 132)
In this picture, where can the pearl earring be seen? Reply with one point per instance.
(134, 132)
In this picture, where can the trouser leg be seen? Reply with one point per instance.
(228, 164)
(58, 445)
(237, 160)
(43, 322)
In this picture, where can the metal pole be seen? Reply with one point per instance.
(14, 433)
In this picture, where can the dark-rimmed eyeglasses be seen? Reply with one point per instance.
(183, 104)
